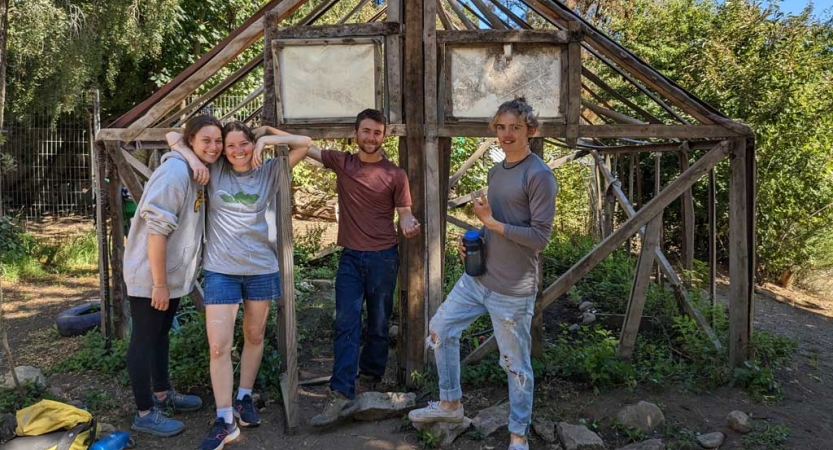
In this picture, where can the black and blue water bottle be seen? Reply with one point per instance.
(475, 261)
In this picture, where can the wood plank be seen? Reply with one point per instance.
(573, 113)
(136, 164)
(165, 90)
(101, 234)
(657, 147)
(352, 12)
(157, 135)
(470, 161)
(455, 6)
(615, 116)
(269, 112)
(287, 269)
(459, 223)
(126, 174)
(536, 146)
(414, 266)
(664, 266)
(371, 29)
(491, 17)
(475, 36)
(443, 15)
(237, 45)
(319, 10)
(393, 69)
(741, 248)
(511, 15)
(249, 98)
(181, 116)
(556, 163)
(655, 131)
(569, 278)
(481, 129)
(595, 79)
(116, 214)
(687, 211)
(712, 207)
(639, 289)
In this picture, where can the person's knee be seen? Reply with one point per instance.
(253, 335)
(438, 330)
(517, 369)
(220, 349)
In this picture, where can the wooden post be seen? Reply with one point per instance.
(537, 328)
(100, 175)
(741, 249)
(116, 213)
(657, 189)
(639, 289)
(269, 114)
(712, 241)
(607, 199)
(412, 299)
(286, 328)
(687, 212)
(573, 83)
(393, 64)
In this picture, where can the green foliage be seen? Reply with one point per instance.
(427, 439)
(771, 437)
(590, 356)
(98, 400)
(11, 401)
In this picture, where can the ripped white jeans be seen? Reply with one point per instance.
(511, 318)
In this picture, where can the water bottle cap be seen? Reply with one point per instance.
(472, 235)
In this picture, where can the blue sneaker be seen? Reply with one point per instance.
(246, 413)
(157, 424)
(174, 401)
(221, 434)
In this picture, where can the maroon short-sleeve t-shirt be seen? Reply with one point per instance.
(368, 194)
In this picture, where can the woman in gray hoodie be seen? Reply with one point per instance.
(161, 265)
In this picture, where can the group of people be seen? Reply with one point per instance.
(211, 205)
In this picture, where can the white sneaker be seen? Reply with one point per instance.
(434, 413)
(524, 446)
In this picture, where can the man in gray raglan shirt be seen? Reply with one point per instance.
(517, 222)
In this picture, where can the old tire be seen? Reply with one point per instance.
(78, 320)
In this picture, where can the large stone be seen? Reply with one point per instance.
(643, 416)
(491, 419)
(711, 440)
(575, 327)
(578, 437)
(25, 374)
(740, 422)
(587, 318)
(383, 405)
(445, 432)
(8, 423)
(652, 444)
(544, 428)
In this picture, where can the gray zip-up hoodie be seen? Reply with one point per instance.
(172, 205)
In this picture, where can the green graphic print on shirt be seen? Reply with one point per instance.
(240, 197)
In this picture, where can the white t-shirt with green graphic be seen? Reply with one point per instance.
(241, 237)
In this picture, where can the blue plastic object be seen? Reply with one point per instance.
(113, 441)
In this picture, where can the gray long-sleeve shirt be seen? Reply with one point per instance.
(523, 198)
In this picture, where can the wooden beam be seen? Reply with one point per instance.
(101, 234)
(616, 116)
(459, 223)
(118, 288)
(508, 13)
(318, 11)
(503, 36)
(556, 163)
(455, 6)
(468, 129)
(443, 15)
(536, 146)
(352, 12)
(659, 147)
(166, 90)
(156, 135)
(573, 115)
(269, 110)
(289, 379)
(126, 174)
(393, 64)
(712, 240)
(237, 45)
(135, 163)
(414, 264)
(249, 98)
(181, 116)
(587, 73)
(371, 29)
(741, 250)
(687, 211)
(569, 278)
(470, 161)
(491, 17)
(639, 289)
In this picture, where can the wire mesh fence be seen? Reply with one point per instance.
(53, 167)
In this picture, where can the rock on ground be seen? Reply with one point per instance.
(445, 432)
(711, 440)
(8, 423)
(584, 306)
(578, 437)
(652, 444)
(25, 374)
(588, 318)
(491, 419)
(740, 422)
(383, 405)
(643, 416)
(544, 428)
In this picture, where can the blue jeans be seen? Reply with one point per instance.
(511, 319)
(362, 277)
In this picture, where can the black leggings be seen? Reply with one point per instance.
(147, 357)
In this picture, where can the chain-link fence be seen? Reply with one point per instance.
(52, 176)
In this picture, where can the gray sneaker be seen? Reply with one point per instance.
(157, 424)
(524, 446)
(337, 406)
(434, 413)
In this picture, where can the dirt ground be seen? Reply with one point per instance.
(30, 309)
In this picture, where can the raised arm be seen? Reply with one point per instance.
(178, 144)
(298, 147)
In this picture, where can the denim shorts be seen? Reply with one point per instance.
(222, 289)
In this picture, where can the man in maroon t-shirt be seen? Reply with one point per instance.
(370, 188)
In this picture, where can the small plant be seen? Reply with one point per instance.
(772, 437)
(759, 381)
(98, 400)
(427, 439)
(11, 401)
